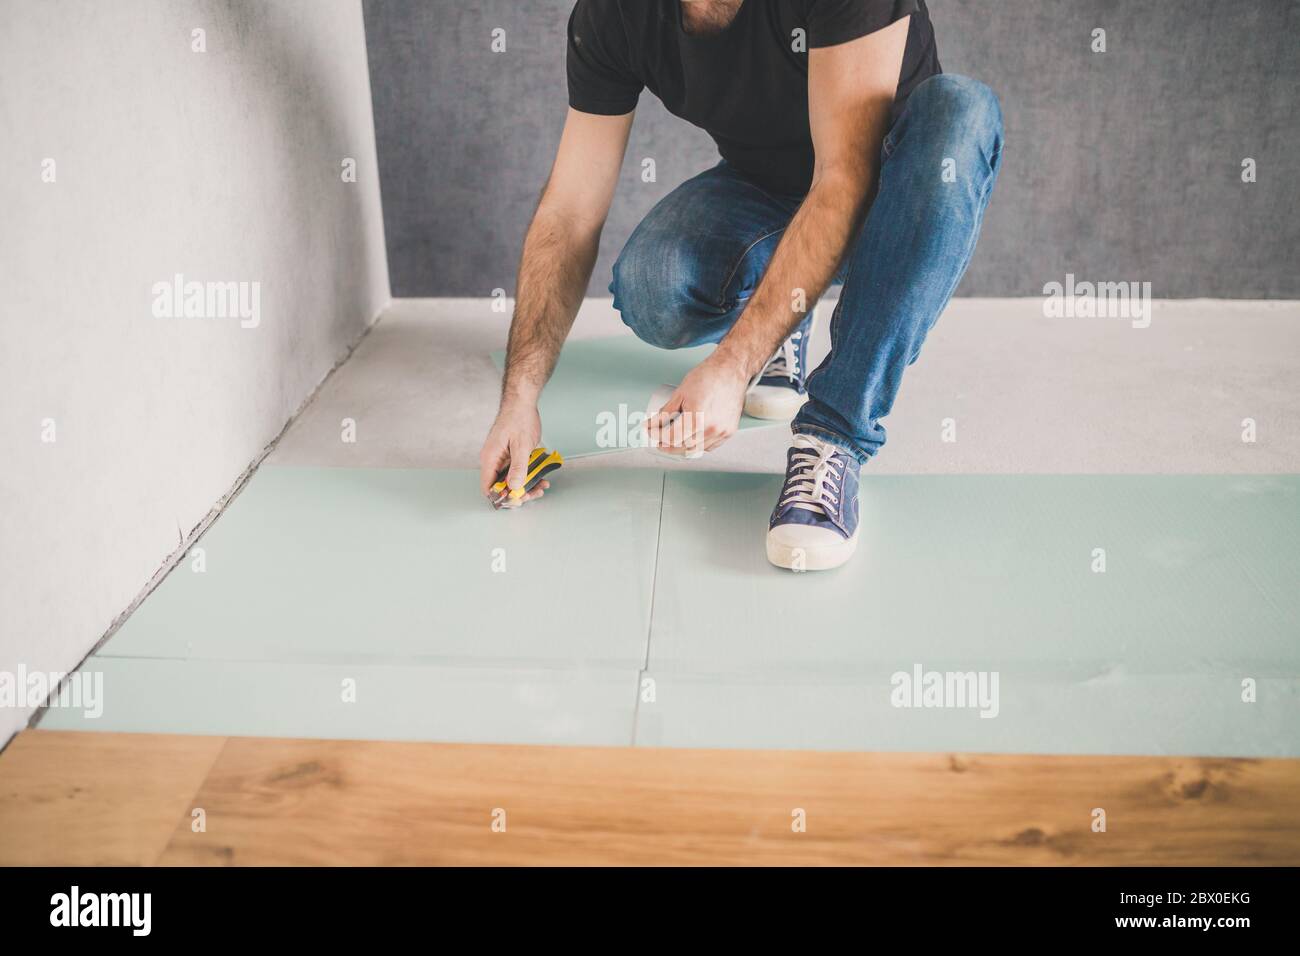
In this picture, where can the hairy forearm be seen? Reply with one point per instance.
(553, 272)
(802, 267)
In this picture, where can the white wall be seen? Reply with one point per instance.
(223, 166)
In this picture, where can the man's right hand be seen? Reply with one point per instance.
(514, 435)
(559, 252)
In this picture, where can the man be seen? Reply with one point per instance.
(847, 156)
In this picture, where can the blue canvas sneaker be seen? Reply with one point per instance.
(778, 392)
(814, 526)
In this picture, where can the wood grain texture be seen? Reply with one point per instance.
(92, 799)
(101, 798)
(338, 802)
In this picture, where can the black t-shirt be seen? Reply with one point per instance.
(747, 86)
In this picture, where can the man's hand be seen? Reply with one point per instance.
(703, 412)
(514, 435)
(559, 251)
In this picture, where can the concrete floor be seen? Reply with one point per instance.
(1029, 394)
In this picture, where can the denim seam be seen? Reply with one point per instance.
(731, 274)
(835, 313)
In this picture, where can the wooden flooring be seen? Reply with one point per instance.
(106, 798)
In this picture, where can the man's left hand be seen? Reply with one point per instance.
(703, 412)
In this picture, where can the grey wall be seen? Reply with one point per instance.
(1122, 165)
(222, 166)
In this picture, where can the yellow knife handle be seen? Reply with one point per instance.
(540, 462)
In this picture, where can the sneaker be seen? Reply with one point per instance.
(815, 524)
(778, 392)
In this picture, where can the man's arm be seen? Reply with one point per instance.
(850, 91)
(559, 252)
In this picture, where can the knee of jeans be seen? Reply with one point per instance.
(966, 107)
(652, 301)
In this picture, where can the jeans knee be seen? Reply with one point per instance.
(960, 99)
(964, 108)
(649, 299)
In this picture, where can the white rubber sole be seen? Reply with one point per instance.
(773, 403)
(822, 557)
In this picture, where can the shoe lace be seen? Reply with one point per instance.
(816, 477)
(785, 361)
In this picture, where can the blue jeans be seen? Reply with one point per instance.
(690, 267)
